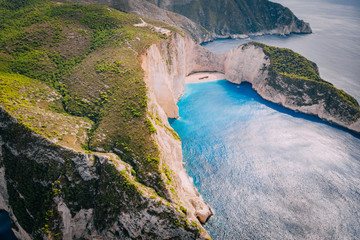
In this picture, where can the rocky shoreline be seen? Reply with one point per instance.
(248, 63)
(125, 191)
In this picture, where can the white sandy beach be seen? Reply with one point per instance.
(204, 77)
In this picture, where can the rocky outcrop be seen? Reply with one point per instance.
(167, 63)
(71, 195)
(208, 20)
(247, 63)
(234, 18)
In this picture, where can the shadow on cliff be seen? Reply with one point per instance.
(247, 90)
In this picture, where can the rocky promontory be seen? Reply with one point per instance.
(86, 150)
(236, 18)
(282, 76)
(207, 20)
(278, 75)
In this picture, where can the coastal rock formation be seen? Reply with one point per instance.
(285, 77)
(167, 63)
(86, 151)
(208, 20)
(236, 18)
(278, 75)
(80, 195)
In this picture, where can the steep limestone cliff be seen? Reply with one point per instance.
(167, 63)
(278, 75)
(63, 176)
(283, 76)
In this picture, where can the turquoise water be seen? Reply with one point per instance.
(268, 172)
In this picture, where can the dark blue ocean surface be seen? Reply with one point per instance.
(268, 172)
(5, 226)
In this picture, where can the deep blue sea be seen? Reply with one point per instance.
(268, 172)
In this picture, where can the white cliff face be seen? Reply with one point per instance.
(171, 157)
(167, 63)
(246, 64)
(157, 75)
(162, 62)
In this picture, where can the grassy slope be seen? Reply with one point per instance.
(71, 73)
(33, 102)
(112, 193)
(288, 63)
(83, 61)
(298, 79)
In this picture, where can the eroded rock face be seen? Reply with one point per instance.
(49, 189)
(234, 18)
(249, 63)
(167, 63)
(171, 155)
(208, 20)
(246, 64)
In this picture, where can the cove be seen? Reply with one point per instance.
(268, 172)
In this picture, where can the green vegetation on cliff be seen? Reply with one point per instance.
(88, 54)
(235, 16)
(71, 73)
(298, 81)
(38, 107)
(39, 181)
(287, 62)
(292, 65)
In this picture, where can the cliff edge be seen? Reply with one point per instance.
(236, 18)
(85, 149)
(208, 20)
(278, 75)
(282, 76)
